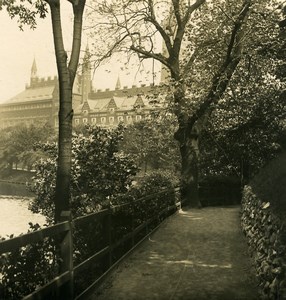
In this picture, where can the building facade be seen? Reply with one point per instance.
(39, 102)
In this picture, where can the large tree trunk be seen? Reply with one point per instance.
(66, 74)
(190, 171)
(62, 194)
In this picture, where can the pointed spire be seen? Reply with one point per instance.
(86, 58)
(34, 73)
(86, 83)
(34, 69)
(118, 84)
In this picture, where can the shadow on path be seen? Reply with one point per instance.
(195, 254)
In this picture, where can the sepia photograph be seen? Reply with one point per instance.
(142, 149)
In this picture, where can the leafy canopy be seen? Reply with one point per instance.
(99, 171)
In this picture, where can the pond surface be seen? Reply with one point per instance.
(14, 213)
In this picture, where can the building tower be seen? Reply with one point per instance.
(118, 84)
(86, 76)
(34, 73)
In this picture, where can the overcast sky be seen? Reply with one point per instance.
(18, 49)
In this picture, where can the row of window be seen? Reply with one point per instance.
(111, 120)
(22, 121)
(21, 107)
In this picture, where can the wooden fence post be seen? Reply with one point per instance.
(107, 232)
(66, 252)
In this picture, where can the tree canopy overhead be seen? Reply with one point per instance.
(202, 42)
(25, 11)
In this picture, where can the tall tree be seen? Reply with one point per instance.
(136, 25)
(66, 73)
(247, 127)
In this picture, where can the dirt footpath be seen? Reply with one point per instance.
(195, 254)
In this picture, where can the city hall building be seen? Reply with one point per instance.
(39, 102)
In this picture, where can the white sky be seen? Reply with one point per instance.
(18, 49)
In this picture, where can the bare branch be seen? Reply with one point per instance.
(147, 54)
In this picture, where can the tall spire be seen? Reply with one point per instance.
(34, 73)
(118, 84)
(86, 75)
(86, 58)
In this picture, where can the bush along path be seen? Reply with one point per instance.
(195, 254)
(266, 233)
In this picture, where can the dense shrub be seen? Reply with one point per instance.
(99, 171)
(152, 202)
(26, 268)
(263, 215)
(101, 177)
(269, 185)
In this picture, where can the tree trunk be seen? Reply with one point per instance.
(66, 74)
(189, 169)
(62, 194)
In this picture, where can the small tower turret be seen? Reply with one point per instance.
(118, 84)
(86, 76)
(34, 72)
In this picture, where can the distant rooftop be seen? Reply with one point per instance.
(33, 94)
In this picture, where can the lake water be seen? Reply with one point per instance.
(14, 213)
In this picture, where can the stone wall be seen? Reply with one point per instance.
(266, 236)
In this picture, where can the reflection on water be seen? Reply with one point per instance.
(14, 213)
(14, 189)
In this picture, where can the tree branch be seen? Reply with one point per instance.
(190, 10)
(176, 6)
(223, 76)
(78, 8)
(182, 25)
(163, 33)
(147, 54)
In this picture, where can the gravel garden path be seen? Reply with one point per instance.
(195, 254)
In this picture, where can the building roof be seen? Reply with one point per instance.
(33, 94)
(125, 91)
(120, 103)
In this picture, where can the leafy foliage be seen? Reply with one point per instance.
(269, 184)
(152, 144)
(247, 127)
(25, 10)
(18, 144)
(99, 171)
(24, 269)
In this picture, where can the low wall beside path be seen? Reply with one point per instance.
(266, 234)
